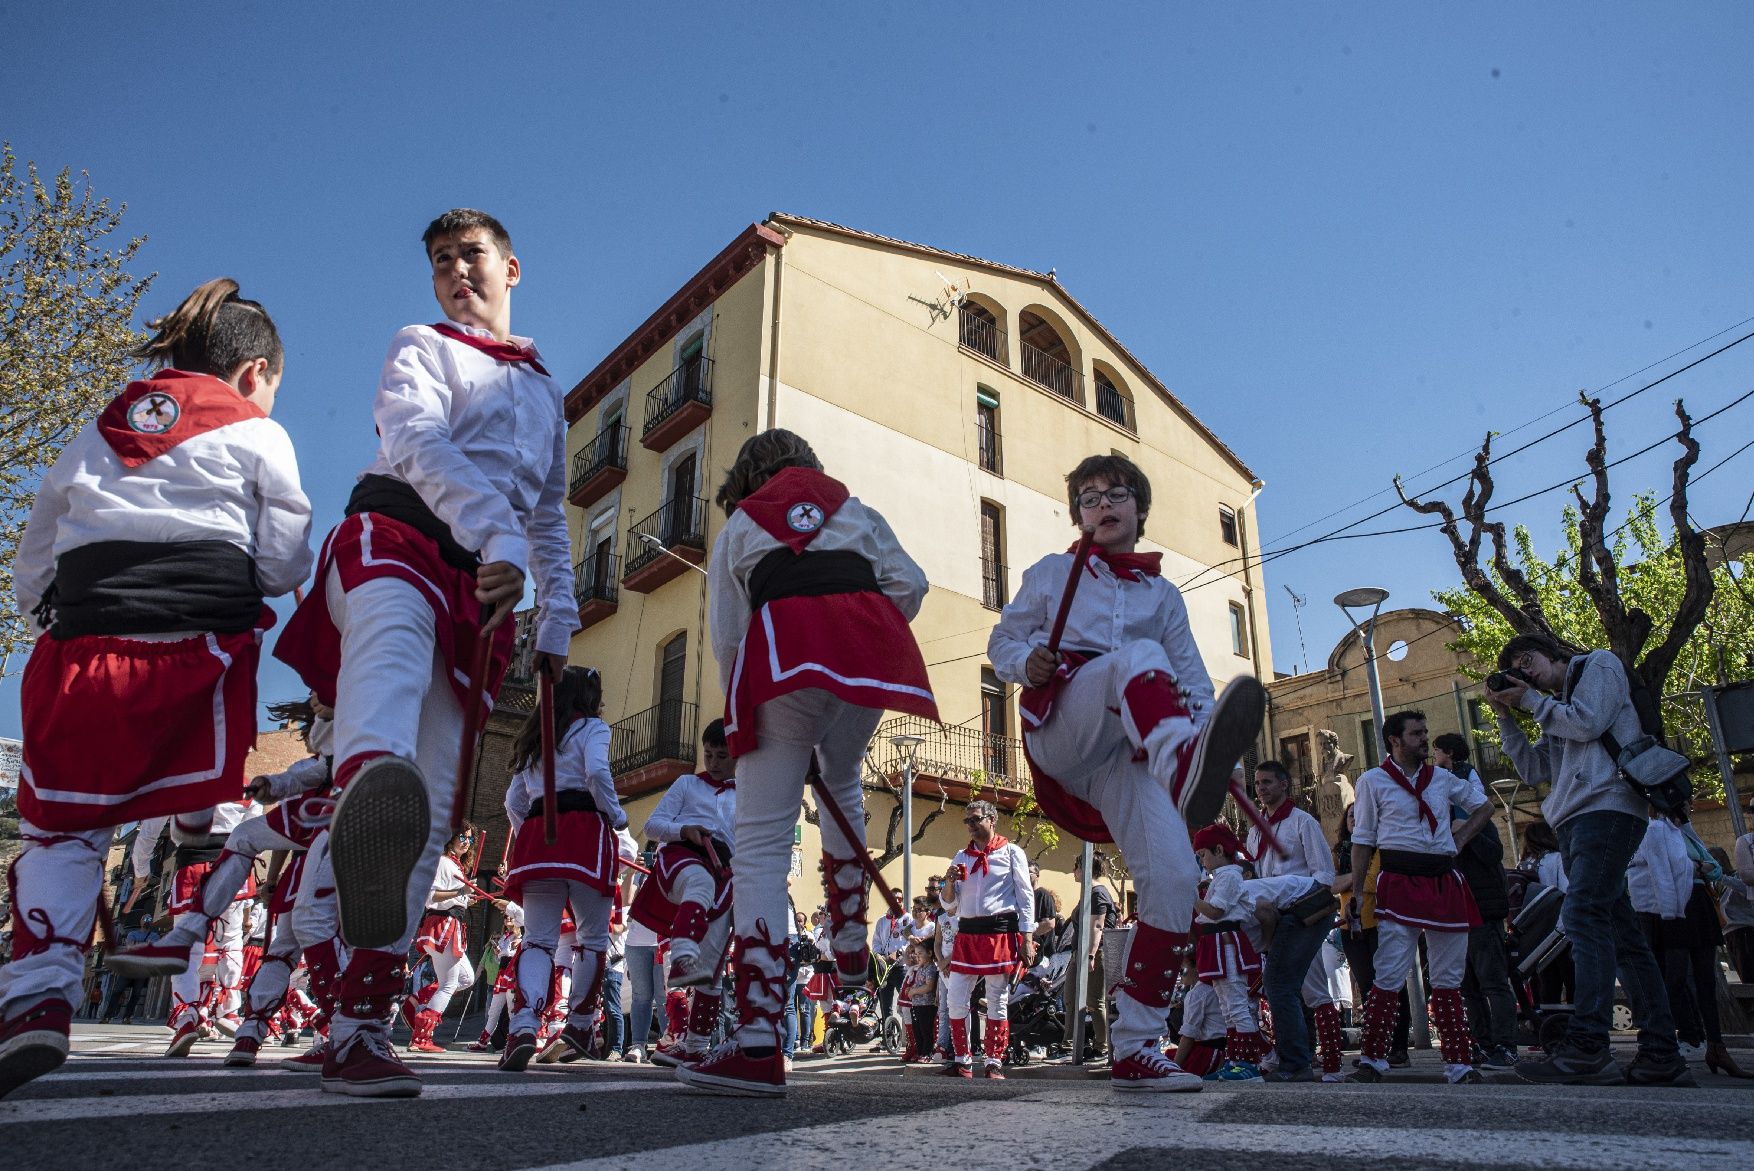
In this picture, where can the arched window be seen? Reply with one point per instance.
(1047, 357)
(980, 328)
(1113, 402)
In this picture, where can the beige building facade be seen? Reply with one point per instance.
(949, 392)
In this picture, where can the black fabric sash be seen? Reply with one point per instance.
(1228, 927)
(388, 496)
(1416, 864)
(719, 844)
(207, 849)
(565, 801)
(1001, 924)
(151, 587)
(784, 574)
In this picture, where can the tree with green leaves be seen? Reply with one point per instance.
(65, 336)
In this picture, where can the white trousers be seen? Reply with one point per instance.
(226, 932)
(55, 880)
(501, 1002)
(961, 986)
(1397, 945)
(249, 841)
(384, 702)
(1089, 749)
(695, 884)
(544, 903)
(454, 974)
(770, 788)
(1235, 1003)
(269, 986)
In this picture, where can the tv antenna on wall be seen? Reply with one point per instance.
(1298, 602)
(950, 297)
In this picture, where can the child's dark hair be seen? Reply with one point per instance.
(760, 457)
(461, 219)
(297, 712)
(214, 331)
(714, 735)
(578, 694)
(1453, 743)
(1539, 838)
(1117, 470)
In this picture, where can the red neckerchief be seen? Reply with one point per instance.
(1417, 787)
(497, 350)
(154, 415)
(1137, 566)
(1280, 814)
(718, 785)
(794, 504)
(994, 844)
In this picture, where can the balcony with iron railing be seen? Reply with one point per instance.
(995, 585)
(678, 404)
(679, 527)
(597, 583)
(982, 335)
(599, 466)
(1114, 406)
(650, 749)
(956, 762)
(1045, 370)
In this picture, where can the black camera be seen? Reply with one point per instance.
(1499, 680)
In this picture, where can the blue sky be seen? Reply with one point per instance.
(1351, 237)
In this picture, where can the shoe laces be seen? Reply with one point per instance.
(376, 1043)
(721, 1051)
(1154, 1061)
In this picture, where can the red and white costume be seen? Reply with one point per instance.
(476, 429)
(1303, 850)
(580, 869)
(1407, 819)
(179, 485)
(810, 599)
(506, 982)
(995, 913)
(688, 899)
(1108, 741)
(1225, 956)
(443, 937)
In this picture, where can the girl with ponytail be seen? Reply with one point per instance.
(579, 868)
(152, 543)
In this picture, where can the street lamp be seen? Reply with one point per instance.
(908, 746)
(1358, 599)
(1505, 789)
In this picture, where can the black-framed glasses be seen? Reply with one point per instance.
(1119, 494)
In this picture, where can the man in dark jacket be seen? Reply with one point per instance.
(1486, 985)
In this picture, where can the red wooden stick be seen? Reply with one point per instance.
(545, 713)
(471, 722)
(1079, 556)
(862, 857)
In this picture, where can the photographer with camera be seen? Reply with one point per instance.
(1600, 817)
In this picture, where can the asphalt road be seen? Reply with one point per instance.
(116, 1104)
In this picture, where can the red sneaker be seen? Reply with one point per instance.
(34, 1042)
(312, 1060)
(678, 1054)
(519, 1048)
(993, 1072)
(160, 958)
(958, 1069)
(729, 1070)
(368, 1068)
(570, 1044)
(183, 1039)
(1150, 1071)
(243, 1053)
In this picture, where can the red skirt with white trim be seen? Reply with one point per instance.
(285, 892)
(583, 851)
(116, 729)
(1436, 903)
(1075, 815)
(188, 880)
(367, 546)
(652, 907)
(1227, 954)
(984, 955)
(441, 934)
(856, 646)
(300, 819)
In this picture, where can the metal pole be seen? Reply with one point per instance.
(1080, 966)
(907, 831)
(1381, 745)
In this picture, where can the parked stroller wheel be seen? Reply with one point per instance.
(836, 1045)
(1553, 1028)
(1621, 1021)
(892, 1036)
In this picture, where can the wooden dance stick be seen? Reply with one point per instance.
(1079, 556)
(477, 683)
(825, 800)
(545, 713)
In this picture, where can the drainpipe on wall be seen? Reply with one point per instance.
(773, 344)
(1248, 592)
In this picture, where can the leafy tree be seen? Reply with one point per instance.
(66, 303)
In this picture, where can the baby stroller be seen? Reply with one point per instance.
(854, 1019)
(1536, 942)
(1036, 1011)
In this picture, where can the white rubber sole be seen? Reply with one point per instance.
(691, 1077)
(1235, 723)
(1187, 1084)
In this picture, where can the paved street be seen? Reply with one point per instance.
(117, 1103)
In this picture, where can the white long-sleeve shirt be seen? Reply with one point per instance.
(310, 773)
(581, 761)
(854, 528)
(448, 876)
(1387, 816)
(1306, 849)
(237, 483)
(1223, 891)
(1107, 613)
(1660, 877)
(484, 443)
(1002, 886)
(691, 800)
(227, 816)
